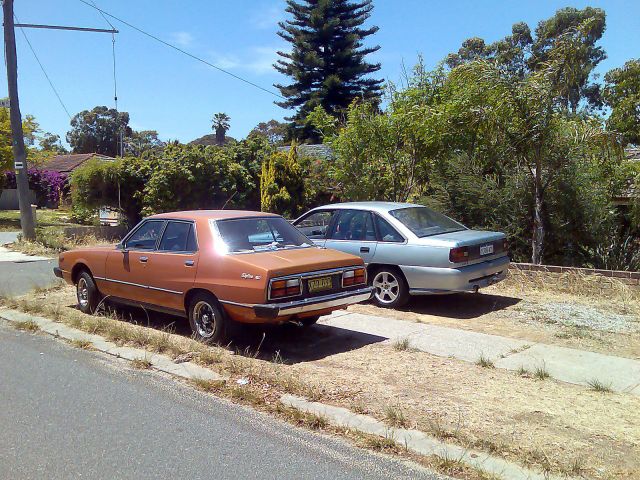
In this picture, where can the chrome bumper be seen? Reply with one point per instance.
(342, 299)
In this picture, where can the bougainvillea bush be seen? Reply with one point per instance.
(48, 185)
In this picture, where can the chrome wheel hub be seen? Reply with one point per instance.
(205, 319)
(387, 287)
(82, 291)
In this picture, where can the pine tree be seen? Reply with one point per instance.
(327, 59)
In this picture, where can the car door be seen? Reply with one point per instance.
(315, 225)
(171, 269)
(126, 267)
(353, 231)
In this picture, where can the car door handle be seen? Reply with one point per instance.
(364, 249)
(189, 263)
(143, 259)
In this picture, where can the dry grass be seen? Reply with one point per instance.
(51, 241)
(27, 326)
(83, 344)
(402, 345)
(141, 363)
(576, 284)
(485, 362)
(366, 380)
(395, 417)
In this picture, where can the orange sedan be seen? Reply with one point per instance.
(217, 268)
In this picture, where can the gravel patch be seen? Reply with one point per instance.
(580, 316)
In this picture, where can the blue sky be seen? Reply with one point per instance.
(166, 91)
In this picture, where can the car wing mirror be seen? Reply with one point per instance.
(122, 247)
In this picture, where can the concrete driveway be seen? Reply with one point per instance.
(21, 273)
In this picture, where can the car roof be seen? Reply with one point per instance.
(375, 206)
(212, 214)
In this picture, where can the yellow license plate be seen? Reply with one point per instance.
(319, 284)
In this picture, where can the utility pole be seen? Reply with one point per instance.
(19, 153)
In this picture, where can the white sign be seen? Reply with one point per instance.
(18, 165)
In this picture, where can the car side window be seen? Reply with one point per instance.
(386, 233)
(176, 237)
(146, 236)
(353, 225)
(315, 225)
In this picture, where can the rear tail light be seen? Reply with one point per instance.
(354, 277)
(285, 288)
(459, 254)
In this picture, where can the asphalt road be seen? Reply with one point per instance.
(69, 413)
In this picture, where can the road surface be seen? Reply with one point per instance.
(69, 413)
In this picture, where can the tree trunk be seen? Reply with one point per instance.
(537, 241)
(220, 134)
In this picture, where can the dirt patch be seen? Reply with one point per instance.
(603, 325)
(546, 424)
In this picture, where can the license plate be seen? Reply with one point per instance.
(486, 249)
(319, 284)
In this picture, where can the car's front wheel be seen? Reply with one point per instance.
(87, 293)
(390, 289)
(208, 321)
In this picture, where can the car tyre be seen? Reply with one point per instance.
(207, 319)
(308, 321)
(87, 293)
(390, 289)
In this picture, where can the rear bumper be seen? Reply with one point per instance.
(470, 278)
(271, 311)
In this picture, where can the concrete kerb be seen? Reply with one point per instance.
(416, 441)
(413, 440)
(162, 363)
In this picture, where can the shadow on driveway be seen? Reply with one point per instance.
(287, 343)
(464, 306)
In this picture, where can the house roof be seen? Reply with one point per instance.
(68, 163)
(632, 154)
(319, 150)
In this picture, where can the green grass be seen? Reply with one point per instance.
(485, 362)
(598, 386)
(10, 219)
(541, 372)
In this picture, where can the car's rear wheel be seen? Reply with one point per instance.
(87, 293)
(308, 321)
(208, 321)
(390, 289)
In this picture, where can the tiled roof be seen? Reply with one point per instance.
(319, 150)
(68, 163)
(632, 154)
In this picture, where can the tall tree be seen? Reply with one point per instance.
(273, 130)
(220, 124)
(98, 131)
(138, 142)
(622, 94)
(327, 62)
(579, 30)
(568, 39)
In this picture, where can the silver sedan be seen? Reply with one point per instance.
(409, 249)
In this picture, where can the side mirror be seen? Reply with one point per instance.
(120, 246)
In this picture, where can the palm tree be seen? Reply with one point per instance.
(220, 124)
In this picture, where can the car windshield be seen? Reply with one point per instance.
(259, 234)
(424, 222)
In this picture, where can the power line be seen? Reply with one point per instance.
(113, 53)
(237, 77)
(43, 70)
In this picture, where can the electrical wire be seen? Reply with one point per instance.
(237, 77)
(42, 68)
(113, 53)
